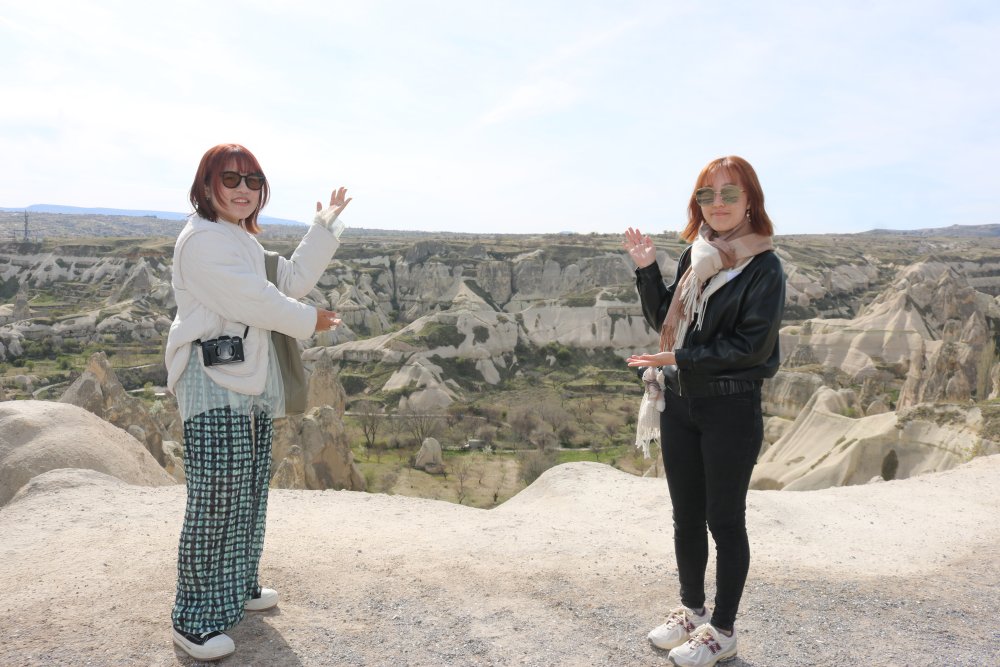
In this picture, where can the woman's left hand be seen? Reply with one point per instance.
(646, 360)
(326, 320)
(338, 202)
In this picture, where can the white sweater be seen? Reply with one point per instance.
(221, 287)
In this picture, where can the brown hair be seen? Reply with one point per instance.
(760, 223)
(209, 173)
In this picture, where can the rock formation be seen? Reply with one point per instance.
(826, 447)
(927, 308)
(444, 318)
(312, 452)
(429, 458)
(98, 390)
(38, 436)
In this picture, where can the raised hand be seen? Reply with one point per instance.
(338, 202)
(639, 248)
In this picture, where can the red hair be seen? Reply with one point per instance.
(208, 176)
(744, 174)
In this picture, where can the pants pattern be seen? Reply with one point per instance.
(710, 446)
(227, 463)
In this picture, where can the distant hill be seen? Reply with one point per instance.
(954, 231)
(165, 215)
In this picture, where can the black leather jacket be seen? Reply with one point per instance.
(737, 344)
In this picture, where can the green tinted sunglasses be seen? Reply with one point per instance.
(706, 196)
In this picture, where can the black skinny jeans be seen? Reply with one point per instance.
(710, 446)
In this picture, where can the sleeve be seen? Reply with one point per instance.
(220, 276)
(654, 294)
(297, 275)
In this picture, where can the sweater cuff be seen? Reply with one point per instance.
(334, 225)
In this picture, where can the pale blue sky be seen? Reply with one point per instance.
(510, 116)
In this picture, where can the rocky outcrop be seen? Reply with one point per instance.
(123, 296)
(788, 392)
(312, 452)
(930, 327)
(324, 388)
(804, 288)
(444, 317)
(98, 390)
(827, 446)
(429, 458)
(38, 436)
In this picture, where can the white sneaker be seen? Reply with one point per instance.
(205, 647)
(267, 599)
(707, 647)
(678, 627)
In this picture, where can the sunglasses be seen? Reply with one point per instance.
(231, 180)
(706, 196)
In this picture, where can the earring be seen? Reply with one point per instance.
(748, 214)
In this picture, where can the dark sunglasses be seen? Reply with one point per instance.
(231, 180)
(706, 196)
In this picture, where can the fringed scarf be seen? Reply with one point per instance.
(715, 260)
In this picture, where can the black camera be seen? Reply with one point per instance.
(222, 350)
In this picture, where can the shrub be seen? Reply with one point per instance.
(437, 334)
(388, 481)
(352, 384)
(588, 300)
(564, 355)
(534, 463)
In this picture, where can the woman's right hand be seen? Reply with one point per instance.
(326, 320)
(640, 248)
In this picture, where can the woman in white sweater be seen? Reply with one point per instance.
(230, 389)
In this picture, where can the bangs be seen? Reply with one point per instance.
(244, 162)
(730, 171)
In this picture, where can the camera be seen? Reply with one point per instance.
(222, 350)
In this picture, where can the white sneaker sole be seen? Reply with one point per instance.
(216, 648)
(665, 644)
(725, 657)
(268, 600)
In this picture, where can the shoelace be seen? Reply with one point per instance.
(704, 636)
(678, 617)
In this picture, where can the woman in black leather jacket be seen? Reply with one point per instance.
(718, 326)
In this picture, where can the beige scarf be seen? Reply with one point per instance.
(710, 254)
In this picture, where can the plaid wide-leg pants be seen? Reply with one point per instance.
(227, 462)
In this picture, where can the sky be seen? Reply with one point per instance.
(510, 117)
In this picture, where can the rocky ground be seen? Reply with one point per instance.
(573, 571)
